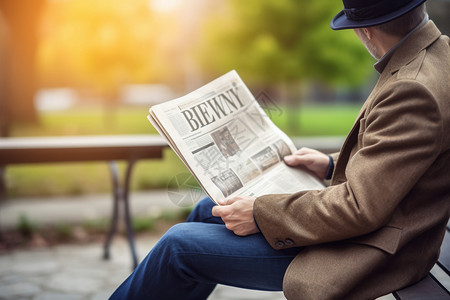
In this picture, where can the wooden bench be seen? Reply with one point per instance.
(436, 285)
(130, 148)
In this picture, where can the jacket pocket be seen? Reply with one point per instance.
(386, 238)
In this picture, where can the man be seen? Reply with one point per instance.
(377, 227)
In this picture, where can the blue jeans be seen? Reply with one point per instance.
(192, 257)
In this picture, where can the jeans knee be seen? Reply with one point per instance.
(201, 211)
(205, 202)
(176, 237)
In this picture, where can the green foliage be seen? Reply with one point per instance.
(26, 227)
(96, 225)
(283, 41)
(63, 230)
(141, 224)
(175, 215)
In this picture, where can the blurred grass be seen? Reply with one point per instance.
(94, 177)
(92, 121)
(320, 120)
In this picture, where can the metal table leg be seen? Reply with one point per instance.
(121, 201)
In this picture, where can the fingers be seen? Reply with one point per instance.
(304, 150)
(229, 201)
(314, 160)
(303, 156)
(237, 214)
(224, 207)
(224, 204)
(295, 160)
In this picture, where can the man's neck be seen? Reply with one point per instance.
(385, 42)
(386, 56)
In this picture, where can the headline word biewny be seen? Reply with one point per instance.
(213, 109)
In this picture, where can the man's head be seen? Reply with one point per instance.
(380, 24)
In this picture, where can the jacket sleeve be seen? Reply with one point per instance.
(398, 139)
(334, 156)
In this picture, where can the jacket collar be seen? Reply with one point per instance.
(382, 62)
(408, 50)
(414, 44)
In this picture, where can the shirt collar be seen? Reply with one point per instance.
(382, 62)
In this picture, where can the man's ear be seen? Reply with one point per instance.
(368, 32)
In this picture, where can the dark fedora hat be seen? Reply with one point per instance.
(366, 13)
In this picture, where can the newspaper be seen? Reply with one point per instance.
(228, 142)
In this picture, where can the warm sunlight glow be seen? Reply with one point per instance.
(163, 6)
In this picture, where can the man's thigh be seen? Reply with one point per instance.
(210, 253)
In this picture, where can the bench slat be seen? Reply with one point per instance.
(431, 287)
(444, 257)
(80, 148)
(427, 288)
(440, 276)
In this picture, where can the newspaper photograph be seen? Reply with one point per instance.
(228, 142)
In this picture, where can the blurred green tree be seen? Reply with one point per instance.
(285, 41)
(103, 44)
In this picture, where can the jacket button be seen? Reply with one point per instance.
(289, 242)
(279, 244)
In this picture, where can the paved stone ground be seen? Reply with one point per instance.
(76, 209)
(63, 272)
(75, 272)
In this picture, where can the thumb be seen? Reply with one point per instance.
(222, 202)
(294, 160)
(229, 201)
(217, 211)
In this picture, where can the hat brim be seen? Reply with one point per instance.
(340, 21)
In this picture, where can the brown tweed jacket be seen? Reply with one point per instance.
(379, 226)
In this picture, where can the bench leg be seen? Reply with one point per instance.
(128, 223)
(121, 198)
(115, 213)
(2, 183)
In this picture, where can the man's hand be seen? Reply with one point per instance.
(315, 161)
(237, 213)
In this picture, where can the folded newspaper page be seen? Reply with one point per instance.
(228, 142)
